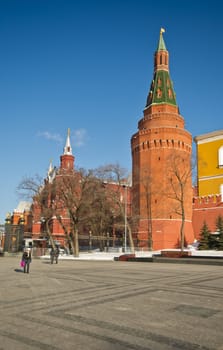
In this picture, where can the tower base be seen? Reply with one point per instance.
(165, 235)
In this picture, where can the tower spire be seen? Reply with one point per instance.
(51, 172)
(161, 43)
(161, 88)
(67, 148)
(67, 159)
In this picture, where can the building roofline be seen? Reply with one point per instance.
(209, 135)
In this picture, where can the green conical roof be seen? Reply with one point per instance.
(161, 88)
(161, 43)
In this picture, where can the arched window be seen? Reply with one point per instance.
(159, 93)
(220, 157)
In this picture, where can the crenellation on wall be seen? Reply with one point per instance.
(206, 209)
(207, 201)
(161, 143)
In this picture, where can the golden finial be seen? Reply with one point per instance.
(162, 30)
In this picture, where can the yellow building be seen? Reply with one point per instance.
(209, 148)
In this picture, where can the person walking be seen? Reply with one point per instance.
(57, 252)
(54, 254)
(26, 258)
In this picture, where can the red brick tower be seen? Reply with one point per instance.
(66, 169)
(54, 176)
(161, 165)
(67, 159)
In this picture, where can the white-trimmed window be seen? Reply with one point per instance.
(220, 157)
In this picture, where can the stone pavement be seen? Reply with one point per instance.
(110, 305)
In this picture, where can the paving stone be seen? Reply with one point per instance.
(106, 305)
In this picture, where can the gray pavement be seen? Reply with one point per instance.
(106, 305)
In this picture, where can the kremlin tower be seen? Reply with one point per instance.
(161, 166)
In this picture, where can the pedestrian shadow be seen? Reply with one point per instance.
(18, 270)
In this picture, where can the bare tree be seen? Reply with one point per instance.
(81, 202)
(69, 190)
(145, 193)
(83, 197)
(66, 229)
(146, 183)
(179, 170)
(116, 180)
(98, 214)
(29, 187)
(42, 196)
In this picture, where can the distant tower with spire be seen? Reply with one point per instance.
(67, 159)
(51, 172)
(161, 151)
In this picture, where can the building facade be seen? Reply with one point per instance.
(54, 175)
(67, 179)
(209, 148)
(208, 201)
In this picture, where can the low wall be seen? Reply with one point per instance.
(175, 254)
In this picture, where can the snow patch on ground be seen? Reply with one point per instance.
(108, 256)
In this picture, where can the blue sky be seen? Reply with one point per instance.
(87, 66)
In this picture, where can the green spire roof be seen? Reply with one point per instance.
(161, 89)
(161, 43)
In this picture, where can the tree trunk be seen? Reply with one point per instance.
(71, 242)
(182, 233)
(150, 237)
(182, 236)
(131, 242)
(50, 234)
(68, 237)
(182, 221)
(76, 243)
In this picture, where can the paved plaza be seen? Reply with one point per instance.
(106, 305)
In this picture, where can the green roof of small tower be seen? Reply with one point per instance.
(161, 43)
(161, 88)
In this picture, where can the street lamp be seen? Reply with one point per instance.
(90, 241)
(125, 215)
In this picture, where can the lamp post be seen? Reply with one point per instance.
(107, 242)
(90, 241)
(125, 234)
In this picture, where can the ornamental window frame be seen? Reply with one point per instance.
(220, 157)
